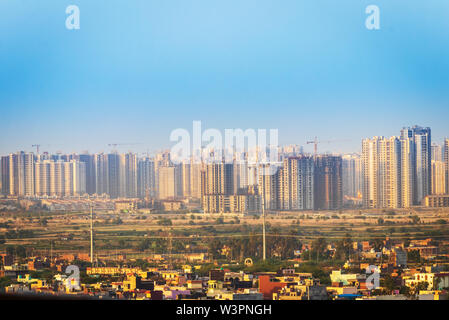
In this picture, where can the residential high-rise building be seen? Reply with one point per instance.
(381, 172)
(167, 184)
(269, 186)
(57, 183)
(188, 179)
(42, 178)
(68, 181)
(252, 174)
(89, 161)
(241, 174)
(422, 159)
(113, 164)
(21, 174)
(438, 169)
(423, 162)
(60, 178)
(195, 180)
(397, 172)
(219, 194)
(101, 169)
(241, 170)
(146, 178)
(352, 176)
(296, 184)
(328, 193)
(161, 159)
(218, 179)
(290, 151)
(5, 175)
(79, 177)
(438, 177)
(128, 175)
(446, 163)
(217, 185)
(437, 152)
(407, 173)
(185, 168)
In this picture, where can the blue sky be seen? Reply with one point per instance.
(138, 69)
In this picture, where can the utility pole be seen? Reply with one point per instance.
(263, 226)
(170, 265)
(91, 235)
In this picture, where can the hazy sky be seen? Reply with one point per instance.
(137, 69)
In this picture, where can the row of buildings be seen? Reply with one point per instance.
(43, 175)
(401, 171)
(396, 172)
(375, 271)
(299, 181)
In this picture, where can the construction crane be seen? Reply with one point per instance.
(316, 142)
(37, 147)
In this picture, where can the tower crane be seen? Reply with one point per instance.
(114, 145)
(121, 144)
(316, 142)
(37, 147)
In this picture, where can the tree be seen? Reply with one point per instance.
(143, 245)
(220, 220)
(405, 291)
(284, 247)
(5, 281)
(318, 248)
(215, 247)
(10, 250)
(414, 256)
(164, 222)
(414, 219)
(179, 246)
(423, 285)
(121, 244)
(436, 283)
(389, 283)
(117, 221)
(378, 244)
(43, 222)
(344, 248)
(18, 251)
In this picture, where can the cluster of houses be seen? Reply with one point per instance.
(367, 275)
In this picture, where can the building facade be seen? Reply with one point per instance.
(328, 192)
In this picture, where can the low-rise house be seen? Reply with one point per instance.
(310, 289)
(433, 280)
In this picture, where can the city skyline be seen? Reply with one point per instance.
(400, 171)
